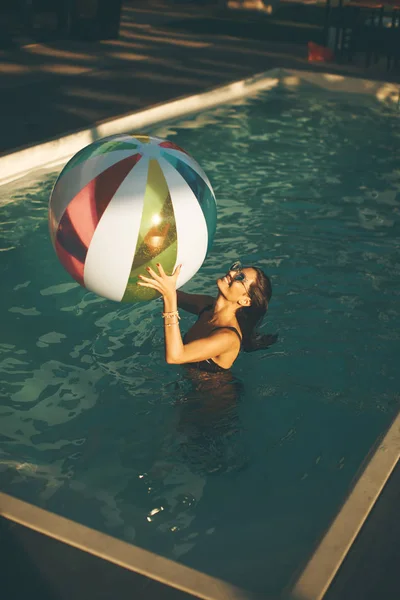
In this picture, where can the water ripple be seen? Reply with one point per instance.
(96, 426)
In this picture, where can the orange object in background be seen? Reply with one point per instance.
(317, 53)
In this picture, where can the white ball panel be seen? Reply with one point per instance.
(110, 255)
(191, 227)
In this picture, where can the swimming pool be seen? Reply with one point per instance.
(242, 482)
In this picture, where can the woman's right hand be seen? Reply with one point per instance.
(162, 283)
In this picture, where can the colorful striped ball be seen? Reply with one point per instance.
(125, 203)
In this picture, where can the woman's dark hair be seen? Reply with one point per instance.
(249, 317)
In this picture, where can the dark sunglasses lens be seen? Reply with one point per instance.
(236, 266)
(240, 277)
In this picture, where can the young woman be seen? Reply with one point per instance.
(225, 324)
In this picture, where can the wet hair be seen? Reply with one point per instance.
(250, 317)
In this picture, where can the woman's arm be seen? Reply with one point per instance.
(193, 303)
(176, 352)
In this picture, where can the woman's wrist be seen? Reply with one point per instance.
(170, 303)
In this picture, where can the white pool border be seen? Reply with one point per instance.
(120, 553)
(58, 151)
(326, 561)
(55, 152)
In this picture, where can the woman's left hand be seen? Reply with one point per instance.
(163, 283)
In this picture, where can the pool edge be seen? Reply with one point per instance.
(54, 152)
(327, 559)
(118, 552)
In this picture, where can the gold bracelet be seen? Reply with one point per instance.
(169, 324)
(168, 315)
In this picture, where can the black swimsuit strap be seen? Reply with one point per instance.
(208, 307)
(231, 328)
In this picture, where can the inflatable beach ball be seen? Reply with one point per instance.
(125, 203)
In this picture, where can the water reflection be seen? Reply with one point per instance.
(209, 422)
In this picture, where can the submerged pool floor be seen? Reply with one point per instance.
(241, 480)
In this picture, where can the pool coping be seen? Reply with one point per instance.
(332, 550)
(55, 152)
(118, 552)
(327, 559)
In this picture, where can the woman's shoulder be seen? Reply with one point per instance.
(228, 328)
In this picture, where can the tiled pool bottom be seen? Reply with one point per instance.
(240, 484)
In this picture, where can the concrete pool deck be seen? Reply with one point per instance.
(165, 51)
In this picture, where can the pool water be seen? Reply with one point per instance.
(238, 479)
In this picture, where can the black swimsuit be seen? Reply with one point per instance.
(209, 365)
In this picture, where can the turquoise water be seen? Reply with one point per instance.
(238, 480)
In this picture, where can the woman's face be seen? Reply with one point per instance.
(234, 286)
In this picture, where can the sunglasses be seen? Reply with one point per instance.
(239, 275)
